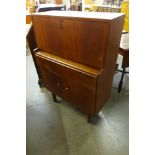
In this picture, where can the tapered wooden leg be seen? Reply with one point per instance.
(121, 81)
(40, 83)
(89, 119)
(54, 97)
(116, 66)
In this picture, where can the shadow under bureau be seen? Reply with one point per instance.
(75, 55)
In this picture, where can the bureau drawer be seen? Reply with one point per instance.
(80, 96)
(72, 74)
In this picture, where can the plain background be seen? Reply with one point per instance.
(13, 77)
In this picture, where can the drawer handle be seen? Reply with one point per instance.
(66, 88)
(58, 84)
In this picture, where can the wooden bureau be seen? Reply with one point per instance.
(75, 55)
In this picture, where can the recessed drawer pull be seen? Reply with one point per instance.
(66, 88)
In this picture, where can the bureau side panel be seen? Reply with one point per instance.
(104, 83)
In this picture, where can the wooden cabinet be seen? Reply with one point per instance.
(58, 1)
(28, 19)
(76, 55)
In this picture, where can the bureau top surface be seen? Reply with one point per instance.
(80, 14)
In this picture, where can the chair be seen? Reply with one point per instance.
(124, 51)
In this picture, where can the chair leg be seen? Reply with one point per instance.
(54, 97)
(89, 119)
(121, 81)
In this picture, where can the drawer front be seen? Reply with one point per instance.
(53, 82)
(68, 73)
(80, 96)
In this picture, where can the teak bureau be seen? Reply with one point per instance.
(75, 55)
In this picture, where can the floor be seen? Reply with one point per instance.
(59, 129)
